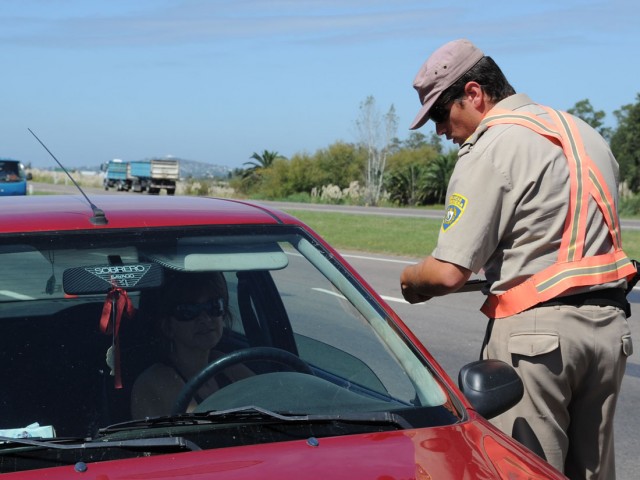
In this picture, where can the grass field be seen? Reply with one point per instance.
(412, 237)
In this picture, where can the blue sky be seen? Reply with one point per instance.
(215, 81)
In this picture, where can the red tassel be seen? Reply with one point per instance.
(115, 306)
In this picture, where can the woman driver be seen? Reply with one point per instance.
(193, 316)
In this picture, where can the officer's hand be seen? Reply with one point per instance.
(411, 296)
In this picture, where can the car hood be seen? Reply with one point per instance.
(466, 451)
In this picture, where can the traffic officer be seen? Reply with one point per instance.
(532, 203)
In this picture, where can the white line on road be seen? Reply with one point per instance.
(393, 299)
(384, 297)
(379, 259)
(17, 296)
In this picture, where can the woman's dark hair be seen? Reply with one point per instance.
(488, 74)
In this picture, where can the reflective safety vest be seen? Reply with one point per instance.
(572, 269)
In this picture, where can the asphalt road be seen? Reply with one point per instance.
(452, 327)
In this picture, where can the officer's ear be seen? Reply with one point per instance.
(476, 97)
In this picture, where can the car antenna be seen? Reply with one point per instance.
(99, 218)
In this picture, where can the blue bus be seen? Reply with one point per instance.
(13, 179)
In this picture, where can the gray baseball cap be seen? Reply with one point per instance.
(441, 70)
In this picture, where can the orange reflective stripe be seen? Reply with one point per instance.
(607, 206)
(589, 271)
(570, 244)
(514, 300)
(578, 168)
(571, 270)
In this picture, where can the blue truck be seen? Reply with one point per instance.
(13, 179)
(149, 176)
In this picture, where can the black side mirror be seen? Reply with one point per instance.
(491, 386)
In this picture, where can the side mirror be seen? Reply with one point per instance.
(491, 386)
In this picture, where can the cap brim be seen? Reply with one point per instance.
(423, 114)
(422, 117)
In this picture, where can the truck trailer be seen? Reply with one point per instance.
(149, 176)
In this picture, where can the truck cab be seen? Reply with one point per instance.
(116, 175)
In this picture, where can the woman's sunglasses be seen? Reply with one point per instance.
(186, 312)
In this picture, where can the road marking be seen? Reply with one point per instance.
(391, 260)
(329, 292)
(384, 297)
(17, 296)
(394, 299)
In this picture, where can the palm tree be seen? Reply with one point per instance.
(403, 185)
(262, 161)
(438, 174)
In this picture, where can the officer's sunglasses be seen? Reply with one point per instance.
(186, 312)
(439, 113)
(441, 110)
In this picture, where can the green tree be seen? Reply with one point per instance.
(585, 111)
(252, 176)
(262, 161)
(438, 175)
(339, 164)
(300, 176)
(417, 140)
(625, 143)
(406, 171)
(275, 181)
(404, 185)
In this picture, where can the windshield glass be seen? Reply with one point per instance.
(117, 326)
(11, 171)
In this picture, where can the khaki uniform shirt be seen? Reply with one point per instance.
(508, 200)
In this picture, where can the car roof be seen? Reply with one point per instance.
(41, 213)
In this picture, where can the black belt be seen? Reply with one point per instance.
(608, 297)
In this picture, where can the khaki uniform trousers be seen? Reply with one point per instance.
(571, 360)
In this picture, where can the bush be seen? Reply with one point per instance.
(205, 188)
(300, 197)
(629, 206)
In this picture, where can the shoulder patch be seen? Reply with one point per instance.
(455, 209)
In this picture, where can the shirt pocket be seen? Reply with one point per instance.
(627, 345)
(533, 344)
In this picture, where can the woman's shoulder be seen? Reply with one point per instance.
(157, 375)
(154, 391)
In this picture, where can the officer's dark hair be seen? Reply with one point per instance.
(487, 73)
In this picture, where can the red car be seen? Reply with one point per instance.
(171, 337)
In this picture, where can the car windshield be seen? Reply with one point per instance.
(103, 328)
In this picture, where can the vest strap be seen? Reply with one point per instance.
(572, 269)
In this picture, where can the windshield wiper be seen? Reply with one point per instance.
(255, 414)
(174, 443)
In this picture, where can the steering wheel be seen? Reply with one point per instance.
(267, 354)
